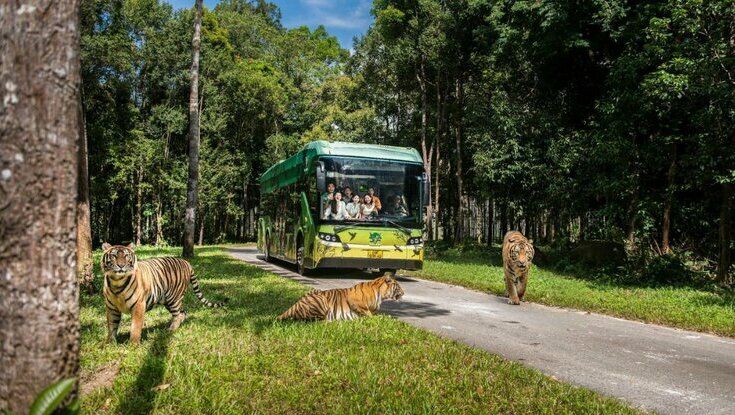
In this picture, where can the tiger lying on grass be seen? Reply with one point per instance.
(133, 287)
(362, 299)
(517, 257)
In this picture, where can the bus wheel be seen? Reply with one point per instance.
(300, 253)
(267, 253)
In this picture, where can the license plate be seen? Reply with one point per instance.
(375, 254)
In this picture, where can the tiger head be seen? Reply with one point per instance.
(117, 260)
(389, 288)
(521, 255)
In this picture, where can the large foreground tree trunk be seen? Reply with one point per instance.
(191, 186)
(85, 263)
(39, 137)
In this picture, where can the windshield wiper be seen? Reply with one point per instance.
(351, 225)
(404, 229)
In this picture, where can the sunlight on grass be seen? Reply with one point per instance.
(681, 307)
(239, 360)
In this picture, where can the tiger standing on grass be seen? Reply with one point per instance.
(363, 299)
(517, 256)
(133, 287)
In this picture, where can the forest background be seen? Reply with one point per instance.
(570, 121)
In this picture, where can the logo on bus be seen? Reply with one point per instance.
(375, 238)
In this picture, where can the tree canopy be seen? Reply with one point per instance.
(608, 119)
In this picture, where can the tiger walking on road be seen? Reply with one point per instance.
(517, 256)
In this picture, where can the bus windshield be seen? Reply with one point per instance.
(371, 191)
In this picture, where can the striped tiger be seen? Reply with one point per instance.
(362, 299)
(517, 256)
(133, 287)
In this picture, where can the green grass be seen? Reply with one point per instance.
(676, 306)
(238, 360)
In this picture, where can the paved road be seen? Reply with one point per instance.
(657, 368)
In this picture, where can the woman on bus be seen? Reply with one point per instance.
(376, 200)
(347, 194)
(336, 209)
(368, 209)
(353, 208)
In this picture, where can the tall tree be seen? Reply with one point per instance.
(39, 137)
(191, 186)
(85, 263)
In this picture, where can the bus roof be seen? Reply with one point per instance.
(288, 171)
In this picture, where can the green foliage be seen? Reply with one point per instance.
(587, 119)
(258, 80)
(568, 110)
(51, 397)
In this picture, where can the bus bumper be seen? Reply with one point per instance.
(370, 263)
(359, 256)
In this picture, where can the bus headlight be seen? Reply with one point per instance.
(415, 241)
(328, 237)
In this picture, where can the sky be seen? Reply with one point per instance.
(342, 18)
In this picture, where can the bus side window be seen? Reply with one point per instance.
(313, 196)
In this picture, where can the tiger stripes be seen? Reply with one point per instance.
(133, 287)
(363, 299)
(517, 256)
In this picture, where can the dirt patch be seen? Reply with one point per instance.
(103, 377)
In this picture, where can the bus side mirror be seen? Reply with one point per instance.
(321, 178)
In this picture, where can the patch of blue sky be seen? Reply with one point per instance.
(345, 19)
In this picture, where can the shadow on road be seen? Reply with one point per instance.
(413, 309)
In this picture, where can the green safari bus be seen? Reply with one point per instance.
(293, 225)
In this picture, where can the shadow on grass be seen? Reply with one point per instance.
(141, 397)
(251, 301)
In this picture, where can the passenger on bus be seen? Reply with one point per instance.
(397, 206)
(347, 192)
(336, 209)
(368, 208)
(376, 199)
(326, 197)
(353, 208)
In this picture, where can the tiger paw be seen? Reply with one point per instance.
(514, 302)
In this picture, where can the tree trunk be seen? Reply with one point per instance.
(460, 185)
(139, 207)
(39, 138)
(246, 209)
(201, 230)
(632, 216)
(426, 155)
(583, 226)
(159, 223)
(490, 223)
(85, 262)
(191, 186)
(503, 219)
(666, 225)
(437, 166)
(723, 278)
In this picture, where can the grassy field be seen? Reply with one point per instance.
(676, 306)
(238, 360)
